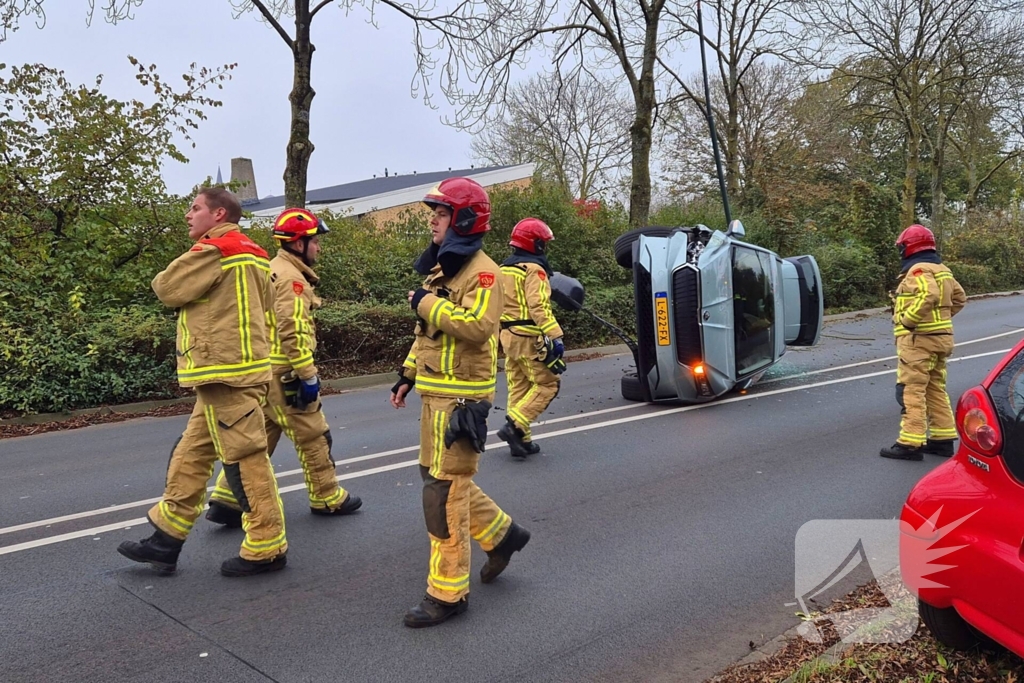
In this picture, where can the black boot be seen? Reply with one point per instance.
(515, 539)
(513, 436)
(237, 566)
(943, 448)
(222, 514)
(432, 612)
(898, 451)
(160, 550)
(351, 504)
(531, 447)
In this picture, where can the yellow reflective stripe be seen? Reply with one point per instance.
(303, 362)
(410, 361)
(224, 371)
(481, 386)
(527, 329)
(493, 342)
(223, 494)
(545, 304)
(480, 303)
(244, 314)
(914, 311)
(438, 437)
(258, 546)
(448, 357)
(931, 327)
(245, 260)
(487, 534)
(434, 316)
(179, 523)
(186, 339)
(211, 426)
(548, 326)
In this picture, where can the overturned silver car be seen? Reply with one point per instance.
(712, 313)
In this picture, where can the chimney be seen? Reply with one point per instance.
(241, 172)
(385, 171)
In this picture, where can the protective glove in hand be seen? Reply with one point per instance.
(554, 349)
(468, 420)
(309, 391)
(556, 365)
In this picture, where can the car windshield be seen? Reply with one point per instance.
(753, 309)
(1007, 392)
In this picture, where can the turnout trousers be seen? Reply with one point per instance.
(226, 425)
(531, 385)
(455, 509)
(309, 431)
(921, 388)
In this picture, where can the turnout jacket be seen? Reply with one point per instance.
(455, 352)
(293, 334)
(528, 301)
(221, 289)
(927, 298)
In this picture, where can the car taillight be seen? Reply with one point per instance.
(977, 422)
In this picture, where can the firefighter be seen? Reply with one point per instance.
(927, 298)
(530, 335)
(453, 364)
(293, 403)
(221, 290)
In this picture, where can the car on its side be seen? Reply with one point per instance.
(713, 313)
(962, 526)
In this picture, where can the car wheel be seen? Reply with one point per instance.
(624, 243)
(632, 390)
(948, 627)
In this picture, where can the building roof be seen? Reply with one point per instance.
(387, 189)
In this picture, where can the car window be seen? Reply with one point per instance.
(1007, 392)
(753, 309)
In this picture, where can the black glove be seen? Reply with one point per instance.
(469, 420)
(402, 380)
(556, 365)
(417, 298)
(293, 391)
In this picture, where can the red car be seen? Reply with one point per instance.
(962, 527)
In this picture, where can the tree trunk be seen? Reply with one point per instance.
(909, 211)
(300, 149)
(732, 136)
(938, 161)
(640, 188)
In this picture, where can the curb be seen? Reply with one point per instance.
(340, 384)
(385, 378)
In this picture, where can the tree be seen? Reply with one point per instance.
(575, 130)
(449, 43)
(743, 35)
(905, 51)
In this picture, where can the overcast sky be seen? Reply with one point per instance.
(363, 117)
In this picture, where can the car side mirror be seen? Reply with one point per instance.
(567, 292)
(736, 229)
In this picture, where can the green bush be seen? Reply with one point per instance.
(975, 278)
(851, 277)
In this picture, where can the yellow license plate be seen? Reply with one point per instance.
(661, 318)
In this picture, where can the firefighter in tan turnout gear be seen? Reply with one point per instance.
(293, 403)
(530, 335)
(453, 365)
(221, 288)
(927, 298)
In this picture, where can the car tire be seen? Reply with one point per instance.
(624, 243)
(948, 627)
(631, 388)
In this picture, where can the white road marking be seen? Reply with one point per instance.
(4, 550)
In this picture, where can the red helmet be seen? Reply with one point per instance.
(294, 224)
(531, 234)
(468, 202)
(915, 239)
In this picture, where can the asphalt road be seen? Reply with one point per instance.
(663, 537)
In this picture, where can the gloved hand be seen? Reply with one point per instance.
(309, 391)
(556, 365)
(468, 420)
(416, 297)
(554, 350)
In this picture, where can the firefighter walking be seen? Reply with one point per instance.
(927, 298)
(293, 404)
(530, 335)
(453, 365)
(221, 288)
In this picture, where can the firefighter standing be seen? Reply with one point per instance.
(453, 365)
(927, 298)
(221, 288)
(293, 402)
(530, 335)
